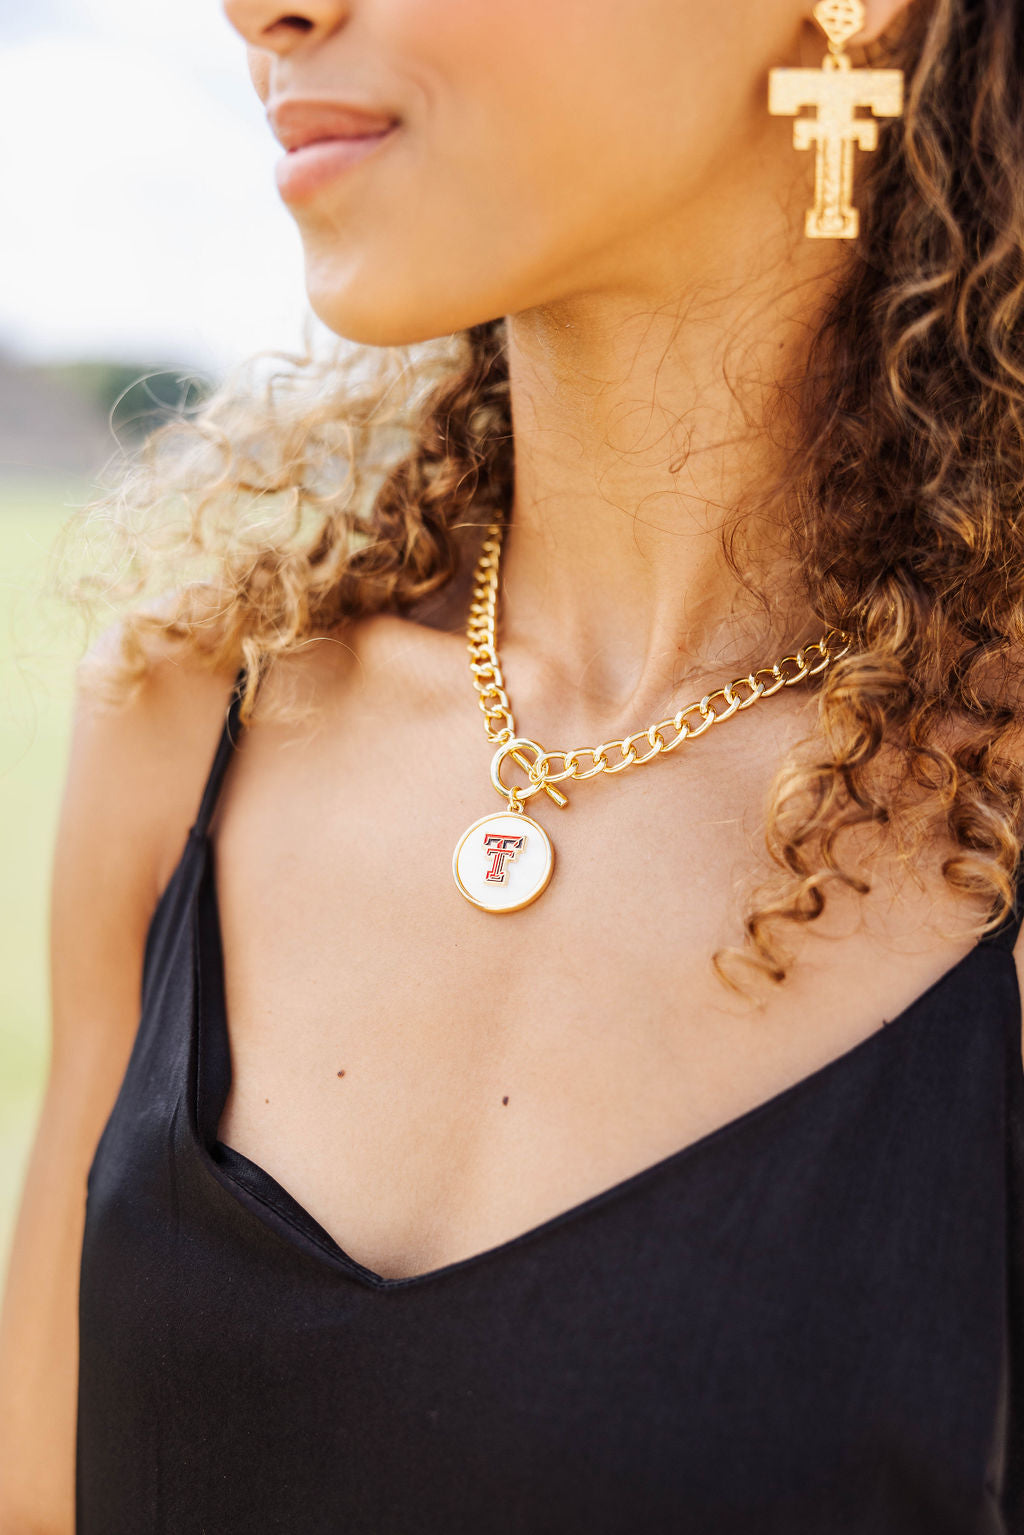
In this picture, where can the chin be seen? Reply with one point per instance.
(370, 327)
(401, 312)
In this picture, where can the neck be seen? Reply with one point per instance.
(644, 428)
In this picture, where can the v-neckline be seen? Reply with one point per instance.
(234, 1170)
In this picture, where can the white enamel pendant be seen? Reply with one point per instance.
(503, 861)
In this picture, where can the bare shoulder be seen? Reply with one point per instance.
(133, 778)
(136, 765)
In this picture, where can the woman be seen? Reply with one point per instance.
(649, 1161)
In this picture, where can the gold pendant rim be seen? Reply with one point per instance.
(501, 911)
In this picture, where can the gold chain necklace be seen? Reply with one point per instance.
(505, 860)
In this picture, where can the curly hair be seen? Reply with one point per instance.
(327, 490)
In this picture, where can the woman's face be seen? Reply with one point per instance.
(545, 149)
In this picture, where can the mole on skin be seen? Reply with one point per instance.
(504, 1100)
(341, 1073)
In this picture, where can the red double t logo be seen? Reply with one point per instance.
(503, 848)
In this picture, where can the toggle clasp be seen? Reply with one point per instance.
(515, 796)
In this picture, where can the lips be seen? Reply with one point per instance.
(324, 139)
(297, 124)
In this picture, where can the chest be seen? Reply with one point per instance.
(428, 1078)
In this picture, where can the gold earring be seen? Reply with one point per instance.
(835, 90)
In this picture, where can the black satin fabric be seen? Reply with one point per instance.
(811, 1321)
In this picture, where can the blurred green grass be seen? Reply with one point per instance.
(39, 645)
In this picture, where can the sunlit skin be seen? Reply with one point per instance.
(608, 177)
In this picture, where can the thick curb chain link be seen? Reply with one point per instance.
(685, 725)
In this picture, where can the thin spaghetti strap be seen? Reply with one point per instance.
(225, 746)
(1006, 934)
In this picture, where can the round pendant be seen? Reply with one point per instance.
(503, 861)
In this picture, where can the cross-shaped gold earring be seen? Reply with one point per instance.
(835, 90)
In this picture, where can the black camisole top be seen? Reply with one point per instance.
(810, 1321)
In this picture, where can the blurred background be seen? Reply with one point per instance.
(141, 236)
